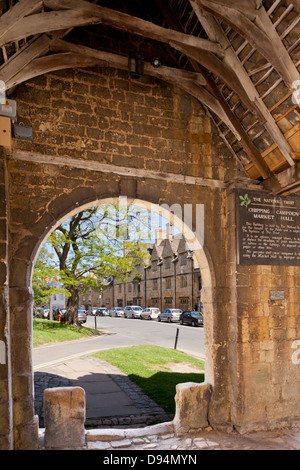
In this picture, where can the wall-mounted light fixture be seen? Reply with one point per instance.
(22, 132)
(156, 62)
(135, 67)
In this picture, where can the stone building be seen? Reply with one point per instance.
(170, 279)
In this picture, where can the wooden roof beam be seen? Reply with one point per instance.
(162, 72)
(214, 30)
(47, 64)
(285, 183)
(230, 119)
(34, 48)
(13, 17)
(295, 3)
(188, 81)
(71, 13)
(218, 68)
(72, 55)
(261, 34)
(247, 7)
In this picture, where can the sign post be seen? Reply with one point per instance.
(268, 229)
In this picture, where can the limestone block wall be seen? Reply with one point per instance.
(99, 115)
(82, 120)
(5, 366)
(264, 336)
(161, 148)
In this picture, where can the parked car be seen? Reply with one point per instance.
(44, 312)
(81, 315)
(150, 313)
(102, 312)
(40, 312)
(132, 311)
(170, 314)
(117, 312)
(191, 317)
(92, 311)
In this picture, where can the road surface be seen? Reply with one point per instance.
(124, 332)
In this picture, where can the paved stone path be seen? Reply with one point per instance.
(121, 417)
(207, 440)
(112, 399)
(162, 437)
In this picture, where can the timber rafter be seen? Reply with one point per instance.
(239, 58)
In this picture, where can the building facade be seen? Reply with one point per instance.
(169, 279)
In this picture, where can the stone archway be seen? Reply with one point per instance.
(26, 239)
(193, 233)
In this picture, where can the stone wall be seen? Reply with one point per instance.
(102, 116)
(264, 334)
(5, 369)
(82, 120)
(97, 135)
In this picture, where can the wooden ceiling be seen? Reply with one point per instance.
(239, 58)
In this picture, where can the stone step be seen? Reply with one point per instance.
(112, 435)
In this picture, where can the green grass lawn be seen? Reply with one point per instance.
(48, 331)
(156, 370)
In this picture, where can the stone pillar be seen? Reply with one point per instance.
(24, 422)
(64, 418)
(192, 403)
(5, 366)
(263, 340)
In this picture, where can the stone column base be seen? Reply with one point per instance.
(192, 402)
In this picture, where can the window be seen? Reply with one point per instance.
(183, 281)
(155, 284)
(183, 260)
(184, 302)
(168, 283)
(168, 263)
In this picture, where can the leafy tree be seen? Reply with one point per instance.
(90, 247)
(43, 275)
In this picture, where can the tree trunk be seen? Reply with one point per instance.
(71, 317)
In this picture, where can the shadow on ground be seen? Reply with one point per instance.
(116, 399)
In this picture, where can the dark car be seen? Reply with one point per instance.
(191, 317)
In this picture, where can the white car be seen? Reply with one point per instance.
(132, 311)
(150, 313)
(91, 311)
(117, 312)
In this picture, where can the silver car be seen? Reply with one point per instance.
(81, 315)
(92, 311)
(150, 313)
(102, 312)
(132, 311)
(116, 312)
(170, 315)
